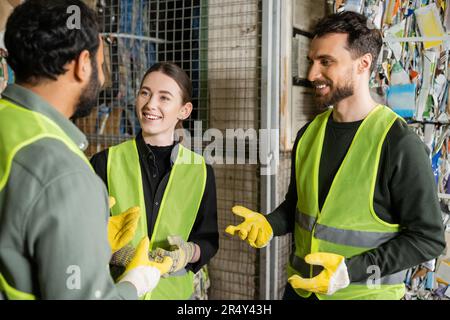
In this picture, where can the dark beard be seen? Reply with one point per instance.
(334, 97)
(89, 96)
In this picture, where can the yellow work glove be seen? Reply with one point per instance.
(112, 202)
(121, 228)
(143, 273)
(181, 253)
(141, 258)
(333, 278)
(123, 256)
(255, 228)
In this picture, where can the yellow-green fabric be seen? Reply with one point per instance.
(347, 223)
(12, 293)
(178, 210)
(33, 127)
(125, 183)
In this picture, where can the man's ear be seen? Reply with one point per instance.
(365, 62)
(82, 67)
(185, 111)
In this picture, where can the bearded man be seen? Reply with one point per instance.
(362, 203)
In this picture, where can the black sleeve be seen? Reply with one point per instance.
(413, 194)
(282, 219)
(205, 230)
(99, 162)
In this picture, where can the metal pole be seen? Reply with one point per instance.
(131, 36)
(270, 106)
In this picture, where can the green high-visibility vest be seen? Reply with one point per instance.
(347, 224)
(178, 208)
(20, 127)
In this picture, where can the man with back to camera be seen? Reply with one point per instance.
(53, 207)
(362, 199)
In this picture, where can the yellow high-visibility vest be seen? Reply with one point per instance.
(20, 127)
(347, 224)
(177, 212)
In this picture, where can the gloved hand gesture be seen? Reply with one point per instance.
(123, 257)
(255, 229)
(143, 273)
(332, 278)
(121, 228)
(181, 253)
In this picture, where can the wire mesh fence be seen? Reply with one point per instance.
(233, 91)
(130, 49)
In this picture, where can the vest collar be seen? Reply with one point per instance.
(31, 101)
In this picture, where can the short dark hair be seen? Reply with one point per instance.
(362, 38)
(40, 43)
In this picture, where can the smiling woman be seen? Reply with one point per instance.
(155, 172)
(163, 102)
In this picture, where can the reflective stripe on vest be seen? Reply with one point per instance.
(20, 127)
(364, 239)
(178, 210)
(347, 224)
